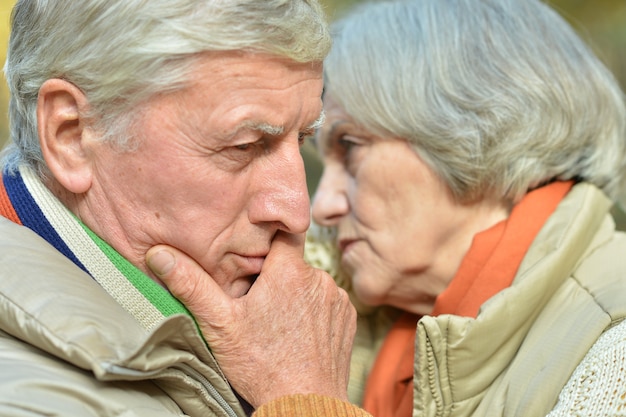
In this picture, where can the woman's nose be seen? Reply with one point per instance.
(330, 202)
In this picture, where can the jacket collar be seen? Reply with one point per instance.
(38, 209)
(52, 304)
(466, 356)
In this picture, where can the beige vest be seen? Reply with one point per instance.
(514, 358)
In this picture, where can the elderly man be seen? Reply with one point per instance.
(136, 124)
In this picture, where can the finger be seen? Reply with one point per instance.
(189, 282)
(285, 247)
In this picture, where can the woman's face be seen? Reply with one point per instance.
(400, 232)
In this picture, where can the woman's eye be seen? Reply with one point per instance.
(346, 143)
(350, 151)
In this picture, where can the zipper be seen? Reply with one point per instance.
(208, 386)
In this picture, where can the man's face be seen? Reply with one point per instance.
(218, 168)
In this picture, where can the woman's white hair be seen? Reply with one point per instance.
(122, 52)
(497, 96)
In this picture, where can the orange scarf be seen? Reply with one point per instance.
(488, 267)
(6, 207)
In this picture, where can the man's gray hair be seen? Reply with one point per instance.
(122, 52)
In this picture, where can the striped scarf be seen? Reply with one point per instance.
(26, 201)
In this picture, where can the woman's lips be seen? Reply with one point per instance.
(346, 244)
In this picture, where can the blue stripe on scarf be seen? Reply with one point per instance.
(32, 217)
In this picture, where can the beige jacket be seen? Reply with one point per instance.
(105, 344)
(68, 349)
(515, 358)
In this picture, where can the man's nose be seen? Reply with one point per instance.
(285, 198)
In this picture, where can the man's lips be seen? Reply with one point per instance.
(250, 265)
(248, 269)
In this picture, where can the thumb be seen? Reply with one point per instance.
(286, 247)
(189, 283)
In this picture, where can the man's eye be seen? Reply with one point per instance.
(303, 136)
(243, 146)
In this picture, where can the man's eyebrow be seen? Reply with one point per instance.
(317, 123)
(272, 130)
(266, 128)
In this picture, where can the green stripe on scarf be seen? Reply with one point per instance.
(157, 295)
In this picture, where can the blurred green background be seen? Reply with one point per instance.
(602, 23)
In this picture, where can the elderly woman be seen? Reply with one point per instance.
(472, 151)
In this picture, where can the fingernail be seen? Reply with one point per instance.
(161, 263)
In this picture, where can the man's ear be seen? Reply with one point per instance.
(62, 135)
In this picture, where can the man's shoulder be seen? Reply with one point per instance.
(20, 247)
(33, 382)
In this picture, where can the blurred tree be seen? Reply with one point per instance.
(602, 24)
